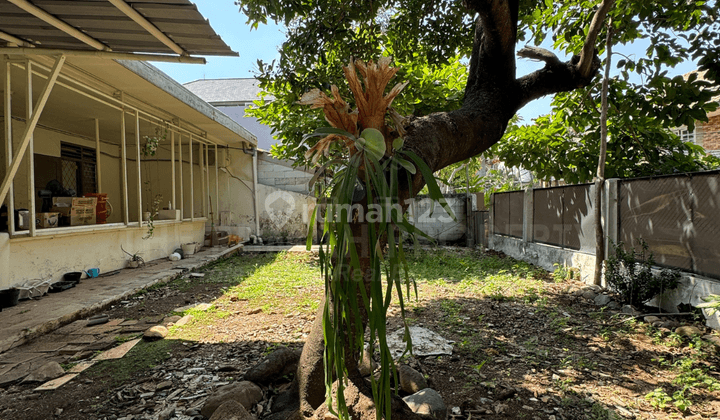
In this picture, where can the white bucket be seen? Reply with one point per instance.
(189, 249)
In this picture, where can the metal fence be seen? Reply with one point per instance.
(678, 217)
(508, 213)
(559, 215)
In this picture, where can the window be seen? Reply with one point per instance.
(78, 168)
(685, 135)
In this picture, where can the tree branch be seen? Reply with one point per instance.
(537, 53)
(587, 56)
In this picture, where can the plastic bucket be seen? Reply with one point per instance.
(189, 249)
(73, 276)
(9, 297)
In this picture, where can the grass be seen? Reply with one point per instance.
(143, 357)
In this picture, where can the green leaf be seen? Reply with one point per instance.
(374, 142)
(398, 143)
(405, 164)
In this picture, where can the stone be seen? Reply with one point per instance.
(163, 385)
(246, 393)
(411, 381)
(630, 310)
(231, 410)
(277, 364)
(602, 300)
(367, 365)
(589, 294)
(184, 320)
(46, 372)
(166, 414)
(714, 339)
(651, 319)
(425, 342)
(613, 305)
(157, 332)
(427, 401)
(171, 320)
(688, 331)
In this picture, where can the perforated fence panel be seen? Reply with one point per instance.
(705, 243)
(508, 213)
(548, 216)
(578, 220)
(562, 216)
(517, 204)
(676, 221)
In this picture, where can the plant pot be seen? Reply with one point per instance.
(9, 297)
(133, 264)
(146, 216)
(189, 249)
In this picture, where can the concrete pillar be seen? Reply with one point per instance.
(528, 215)
(611, 216)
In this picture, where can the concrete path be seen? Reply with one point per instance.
(34, 317)
(280, 248)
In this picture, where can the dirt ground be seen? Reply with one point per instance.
(538, 351)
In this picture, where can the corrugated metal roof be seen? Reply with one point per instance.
(217, 91)
(178, 19)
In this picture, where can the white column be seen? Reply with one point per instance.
(9, 148)
(172, 164)
(98, 168)
(123, 142)
(217, 187)
(192, 183)
(182, 182)
(139, 174)
(201, 164)
(206, 187)
(31, 149)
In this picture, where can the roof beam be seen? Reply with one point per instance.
(152, 29)
(15, 40)
(59, 24)
(104, 54)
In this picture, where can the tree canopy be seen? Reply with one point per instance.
(432, 43)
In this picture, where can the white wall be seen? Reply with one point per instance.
(27, 259)
(284, 214)
(281, 174)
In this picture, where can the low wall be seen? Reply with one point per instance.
(49, 257)
(284, 215)
(432, 218)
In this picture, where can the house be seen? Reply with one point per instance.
(705, 134)
(233, 97)
(84, 114)
(287, 220)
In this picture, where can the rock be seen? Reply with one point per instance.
(411, 381)
(714, 339)
(157, 332)
(166, 414)
(287, 400)
(688, 331)
(651, 319)
(231, 410)
(670, 324)
(46, 372)
(184, 320)
(278, 363)
(171, 320)
(613, 305)
(246, 393)
(58, 412)
(367, 365)
(163, 385)
(630, 310)
(589, 294)
(602, 300)
(425, 342)
(427, 401)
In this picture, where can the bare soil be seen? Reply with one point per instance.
(541, 354)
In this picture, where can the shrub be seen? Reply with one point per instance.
(629, 273)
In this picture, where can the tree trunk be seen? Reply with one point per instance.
(493, 95)
(600, 181)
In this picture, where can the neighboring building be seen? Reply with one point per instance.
(106, 122)
(233, 97)
(706, 134)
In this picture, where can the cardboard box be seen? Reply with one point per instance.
(47, 220)
(77, 215)
(74, 201)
